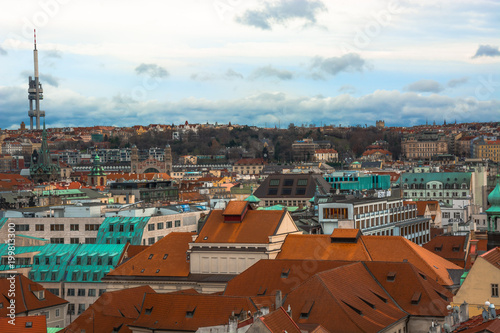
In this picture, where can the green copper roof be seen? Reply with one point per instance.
(279, 207)
(443, 177)
(119, 230)
(252, 199)
(69, 262)
(54, 329)
(2, 221)
(494, 196)
(32, 237)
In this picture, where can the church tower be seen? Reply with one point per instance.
(96, 177)
(134, 159)
(167, 158)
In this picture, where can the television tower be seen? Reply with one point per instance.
(35, 93)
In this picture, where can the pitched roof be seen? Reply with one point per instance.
(30, 324)
(235, 208)
(292, 186)
(492, 256)
(165, 258)
(266, 277)
(452, 248)
(411, 289)
(477, 324)
(113, 310)
(256, 227)
(279, 321)
(25, 298)
(188, 312)
(251, 161)
(344, 299)
(368, 248)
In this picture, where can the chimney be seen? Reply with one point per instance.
(289, 311)
(464, 312)
(233, 324)
(279, 299)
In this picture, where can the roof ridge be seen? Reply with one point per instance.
(333, 296)
(381, 286)
(22, 293)
(364, 247)
(409, 244)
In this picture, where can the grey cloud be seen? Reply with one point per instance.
(457, 82)
(44, 78)
(152, 70)
(281, 12)
(397, 108)
(347, 89)
(2, 51)
(487, 51)
(203, 76)
(351, 62)
(53, 54)
(231, 74)
(228, 75)
(269, 71)
(425, 86)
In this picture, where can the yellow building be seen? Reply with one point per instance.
(489, 150)
(481, 284)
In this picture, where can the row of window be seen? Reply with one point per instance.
(48, 260)
(60, 240)
(59, 227)
(160, 225)
(81, 292)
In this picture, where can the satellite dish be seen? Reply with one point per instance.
(485, 315)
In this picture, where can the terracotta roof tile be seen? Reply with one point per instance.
(112, 311)
(24, 297)
(368, 248)
(166, 257)
(452, 248)
(493, 256)
(344, 299)
(38, 325)
(184, 312)
(279, 321)
(235, 208)
(256, 227)
(407, 281)
(269, 276)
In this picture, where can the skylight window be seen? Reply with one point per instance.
(150, 256)
(165, 256)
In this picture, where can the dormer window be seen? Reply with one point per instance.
(391, 276)
(148, 311)
(190, 311)
(306, 310)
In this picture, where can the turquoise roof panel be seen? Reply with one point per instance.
(120, 230)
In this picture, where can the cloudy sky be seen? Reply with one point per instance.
(264, 63)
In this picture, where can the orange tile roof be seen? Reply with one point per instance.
(38, 325)
(344, 299)
(492, 256)
(235, 207)
(165, 258)
(137, 176)
(251, 161)
(452, 248)
(10, 181)
(279, 321)
(368, 248)
(112, 312)
(256, 227)
(185, 312)
(408, 281)
(345, 233)
(24, 297)
(325, 151)
(266, 277)
(373, 151)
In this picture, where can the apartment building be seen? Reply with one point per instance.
(374, 216)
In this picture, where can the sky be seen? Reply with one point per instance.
(263, 63)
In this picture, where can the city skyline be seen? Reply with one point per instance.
(252, 62)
